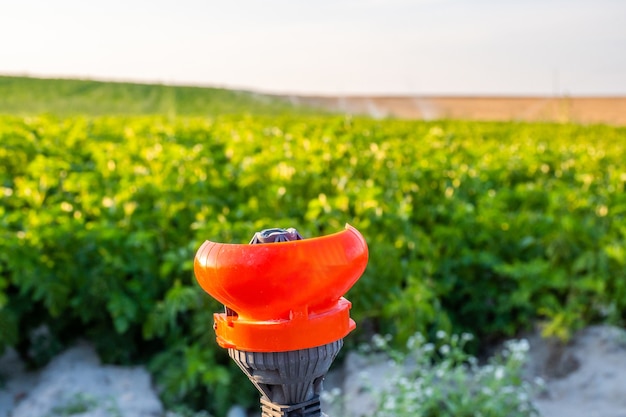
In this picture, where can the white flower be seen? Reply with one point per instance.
(440, 334)
(466, 337)
(414, 341)
(332, 395)
(521, 345)
(390, 403)
(379, 341)
(539, 381)
(508, 390)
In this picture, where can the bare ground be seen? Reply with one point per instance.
(586, 110)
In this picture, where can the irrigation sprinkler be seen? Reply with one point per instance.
(285, 315)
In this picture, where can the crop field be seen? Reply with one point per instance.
(559, 109)
(481, 227)
(67, 97)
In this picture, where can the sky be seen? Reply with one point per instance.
(328, 47)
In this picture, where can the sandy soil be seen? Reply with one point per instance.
(76, 383)
(587, 110)
(585, 378)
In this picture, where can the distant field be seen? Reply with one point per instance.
(609, 110)
(67, 97)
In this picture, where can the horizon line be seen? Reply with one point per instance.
(310, 94)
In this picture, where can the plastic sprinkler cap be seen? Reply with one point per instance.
(284, 295)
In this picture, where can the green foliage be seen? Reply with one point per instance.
(79, 404)
(184, 411)
(479, 227)
(82, 403)
(67, 97)
(441, 380)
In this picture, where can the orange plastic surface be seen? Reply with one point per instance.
(286, 295)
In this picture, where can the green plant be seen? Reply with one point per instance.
(67, 97)
(182, 411)
(83, 403)
(441, 380)
(79, 404)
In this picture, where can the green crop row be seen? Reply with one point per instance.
(479, 227)
(66, 97)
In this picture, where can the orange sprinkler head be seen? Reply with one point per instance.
(282, 296)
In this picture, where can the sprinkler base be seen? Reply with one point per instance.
(290, 382)
(311, 408)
